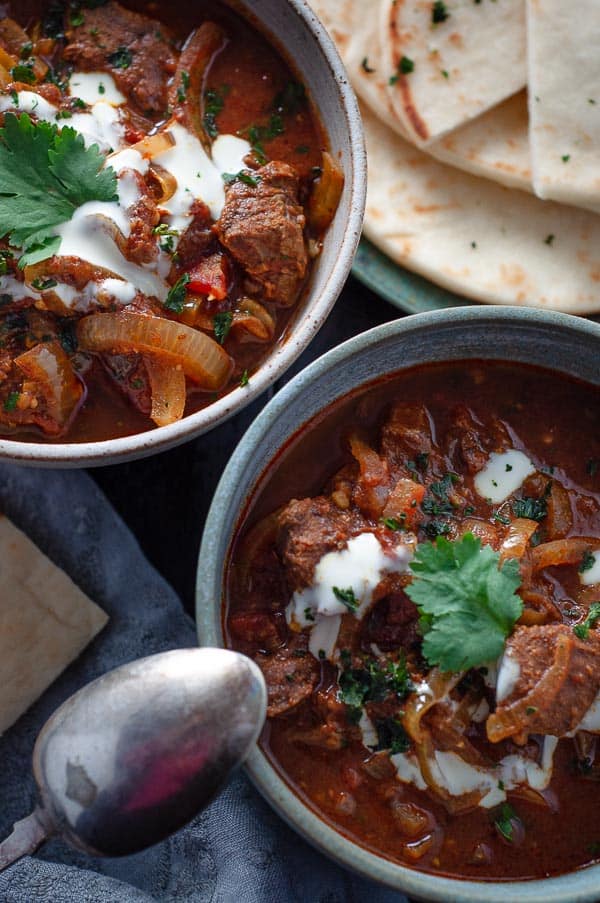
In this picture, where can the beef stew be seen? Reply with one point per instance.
(419, 579)
(166, 187)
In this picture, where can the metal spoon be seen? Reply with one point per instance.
(133, 756)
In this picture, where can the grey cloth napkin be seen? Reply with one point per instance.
(238, 850)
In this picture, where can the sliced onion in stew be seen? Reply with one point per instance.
(49, 367)
(202, 359)
(167, 384)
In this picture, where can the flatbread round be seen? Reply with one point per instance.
(448, 63)
(475, 237)
(494, 145)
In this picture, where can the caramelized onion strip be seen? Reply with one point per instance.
(167, 384)
(200, 357)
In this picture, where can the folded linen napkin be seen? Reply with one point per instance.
(238, 850)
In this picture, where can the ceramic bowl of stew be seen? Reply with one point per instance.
(409, 481)
(222, 168)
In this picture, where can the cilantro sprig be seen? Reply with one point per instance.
(467, 601)
(45, 175)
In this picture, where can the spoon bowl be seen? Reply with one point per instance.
(135, 755)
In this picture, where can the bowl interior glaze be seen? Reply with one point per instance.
(297, 33)
(551, 340)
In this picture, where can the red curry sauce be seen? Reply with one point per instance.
(309, 739)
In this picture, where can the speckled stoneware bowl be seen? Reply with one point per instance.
(564, 343)
(297, 32)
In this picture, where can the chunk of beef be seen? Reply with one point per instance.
(557, 679)
(135, 49)
(308, 529)
(262, 226)
(197, 239)
(406, 434)
(291, 675)
(129, 373)
(257, 628)
(392, 624)
(471, 442)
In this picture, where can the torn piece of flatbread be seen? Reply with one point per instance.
(564, 99)
(45, 622)
(495, 145)
(479, 239)
(448, 63)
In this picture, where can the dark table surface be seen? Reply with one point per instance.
(164, 499)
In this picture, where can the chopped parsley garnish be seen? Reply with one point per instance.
(436, 527)
(176, 297)
(346, 597)
(23, 72)
(259, 134)
(505, 821)
(439, 12)
(122, 58)
(43, 285)
(290, 99)
(437, 501)
(565, 158)
(592, 467)
(530, 508)
(583, 630)
(391, 736)
(182, 90)
(394, 523)
(549, 239)
(241, 176)
(222, 324)
(45, 175)
(10, 402)
(587, 562)
(26, 51)
(501, 518)
(214, 101)
(308, 614)
(365, 65)
(372, 682)
(405, 66)
(244, 380)
(466, 599)
(67, 335)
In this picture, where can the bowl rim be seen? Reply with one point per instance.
(290, 347)
(579, 886)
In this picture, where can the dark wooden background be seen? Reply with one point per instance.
(164, 499)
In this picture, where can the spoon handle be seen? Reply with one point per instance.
(26, 836)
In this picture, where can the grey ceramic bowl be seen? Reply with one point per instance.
(298, 33)
(566, 344)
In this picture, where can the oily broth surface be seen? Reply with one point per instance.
(554, 418)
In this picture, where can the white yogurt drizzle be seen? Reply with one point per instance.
(359, 567)
(503, 474)
(458, 777)
(87, 235)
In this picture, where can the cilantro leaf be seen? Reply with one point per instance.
(467, 601)
(583, 630)
(45, 174)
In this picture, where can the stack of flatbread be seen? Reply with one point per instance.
(482, 120)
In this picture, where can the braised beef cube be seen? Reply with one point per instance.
(134, 48)
(291, 675)
(309, 529)
(556, 679)
(262, 225)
